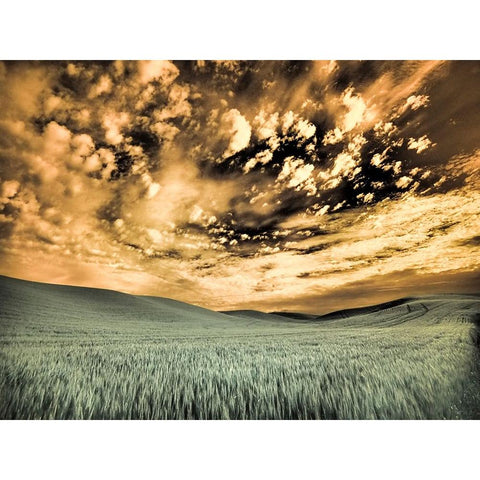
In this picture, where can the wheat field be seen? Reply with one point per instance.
(73, 353)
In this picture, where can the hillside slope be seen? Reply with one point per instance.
(81, 353)
(51, 307)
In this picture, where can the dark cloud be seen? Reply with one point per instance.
(471, 242)
(6, 229)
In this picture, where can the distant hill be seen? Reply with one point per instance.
(257, 315)
(24, 302)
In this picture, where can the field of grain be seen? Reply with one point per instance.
(77, 353)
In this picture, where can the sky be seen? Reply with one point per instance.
(273, 185)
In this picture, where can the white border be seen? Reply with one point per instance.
(238, 450)
(251, 29)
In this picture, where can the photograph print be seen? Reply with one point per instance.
(239, 240)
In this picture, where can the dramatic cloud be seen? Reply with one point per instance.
(420, 144)
(160, 70)
(414, 102)
(270, 185)
(238, 129)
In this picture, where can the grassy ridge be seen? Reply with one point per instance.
(413, 361)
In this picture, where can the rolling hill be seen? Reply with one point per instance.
(83, 353)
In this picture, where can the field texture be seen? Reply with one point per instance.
(78, 353)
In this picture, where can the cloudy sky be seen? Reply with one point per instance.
(273, 185)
